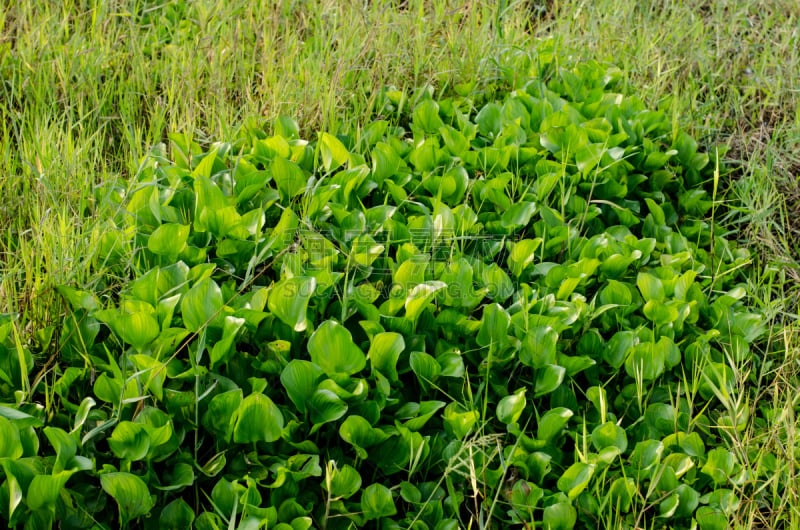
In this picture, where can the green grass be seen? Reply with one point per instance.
(88, 88)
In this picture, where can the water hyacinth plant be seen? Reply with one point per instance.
(507, 307)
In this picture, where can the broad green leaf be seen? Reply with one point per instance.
(622, 492)
(130, 441)
(332, 348)
(426, 116)
(455, 142)
(201, 305)
(334, 153)
(460, 421)
(221, 413)
(719, 465)
(575, 479)
(300, 379)
(588, 157)
(288, 300)
(616, 293)
(518, 216)
(548, 378)
(609, 434)
(616, 350)
(221, 352)
(646, 454)
(152, 374)
(168, 240)
(259, 420)
(343, 482)
(45, 490)
(65, 447)
(494, 327)
(325, 406)
(709, 518)
(645, 361)
(489, 120)
(650, 287)
(538, 347)
(178, 477)
(177, 515)
(420, 297)
(510, 407)
(377, 502)
(137, 329)
(552, 423)
(522, 254)
(130, 492)
(425, 367)
(384, 352)
(10, 444)
(560, 516)
(288, 176)
(208, 197)
(357, 431)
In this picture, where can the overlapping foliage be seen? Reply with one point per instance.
(509, 307)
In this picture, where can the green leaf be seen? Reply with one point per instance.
(548, 378)
(384, 352)
(709, 518)
(130, 441)
(45, 490)
(552, 423)
(259, 420)
(130, 492)
(616, 351)
(221, 413)
(334, 153)
(177, 515)
(300, 379)
(494, 327)
(518, 216)
(522, 254)
(177, 478)
(65, 447)
(332, 348)
(357, 431)
(560, 516)
(288, 176)
(168, 240)
(489, 120)
(426, 116)
(645, 361)
(137, 329)
(343, 482)
(377, 502)
(622, 492)
(538, 347)
(510, 407)
(221, 352)
(616, 293)
(10, 444)
(575, 479)
(425, 367)
(719, 465)
(609, 434)
(650, 287)
(420, 297)
(325, 406)
(588, 157)
(288, 300)
(201, 305)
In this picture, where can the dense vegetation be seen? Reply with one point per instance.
(515, 300)
(515, 307)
